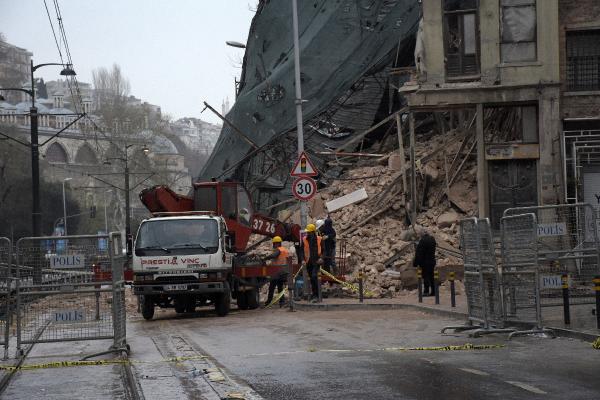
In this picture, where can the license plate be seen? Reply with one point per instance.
(176, 287)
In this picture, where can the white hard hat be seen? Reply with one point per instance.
(319, 223)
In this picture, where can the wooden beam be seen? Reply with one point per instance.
(413, 167)
(401, 149)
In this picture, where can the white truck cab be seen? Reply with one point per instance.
(182, 261)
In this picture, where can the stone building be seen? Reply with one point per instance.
(496, 61)
(579, 43)
(94, 159)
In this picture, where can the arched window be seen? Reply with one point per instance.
(56, 154)
(85, 155)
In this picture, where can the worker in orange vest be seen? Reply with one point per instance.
(279, 256)
(312, 258)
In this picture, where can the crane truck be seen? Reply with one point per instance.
(192, 251)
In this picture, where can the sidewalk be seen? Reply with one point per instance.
(64, 382)
(406, 301)
(582, 327)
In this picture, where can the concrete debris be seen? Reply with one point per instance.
(346, 200)
(379, 237)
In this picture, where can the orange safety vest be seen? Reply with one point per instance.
(306, 249)
(281, 260)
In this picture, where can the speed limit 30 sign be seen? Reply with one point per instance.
(304, 188)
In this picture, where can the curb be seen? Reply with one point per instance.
(379, 306)
(572, 334)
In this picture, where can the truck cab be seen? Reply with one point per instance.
(182, 260)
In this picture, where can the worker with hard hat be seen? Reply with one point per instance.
(311, 245)
(279, 256)
(328, 236)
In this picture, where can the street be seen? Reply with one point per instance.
(354, 355)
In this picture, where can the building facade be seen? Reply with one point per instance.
(497, 59)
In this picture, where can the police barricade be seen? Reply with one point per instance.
(490, 281)
(520, 274)
(568, 244)
(60, 294)
(471, 249)
(118, 261)
(481, 279)
(6, 304)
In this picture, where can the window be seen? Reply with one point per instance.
(244, 206)
(518, 31)
(461, 37)
(228, 201)
(206, 198)
(512, 124)
(583, 60)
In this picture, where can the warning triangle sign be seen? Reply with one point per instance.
(304, 167)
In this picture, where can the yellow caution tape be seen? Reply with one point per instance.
(462, 347)
(278, 297)
(285, 290)
(350, 286)
(87, 363)
(596, 344)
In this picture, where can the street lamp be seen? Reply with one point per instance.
(105, 215)
(233, 43)
(35, 161)
(65, 205)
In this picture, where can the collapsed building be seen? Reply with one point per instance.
(498, 108)
(351, 52)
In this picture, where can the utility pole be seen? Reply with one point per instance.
(127, 207)
(303, 206)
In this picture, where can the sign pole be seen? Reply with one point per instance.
(303, 205)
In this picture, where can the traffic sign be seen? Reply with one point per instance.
(304, 188)
(304, 167)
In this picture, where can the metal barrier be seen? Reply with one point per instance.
(471, 248)
(520, 272)
(567, 237)
(6, 279)
(491, 282)
(481, 280)
(118, 261)
(60, 294)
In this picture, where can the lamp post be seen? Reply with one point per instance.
(106, 215)
(65, 205)
(35, 161)
(237, 45)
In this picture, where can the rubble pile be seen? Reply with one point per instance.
(379, 237)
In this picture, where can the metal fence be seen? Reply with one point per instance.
(538, 246)
(63, 292)
(6, 280)
(118, 261)
(520, 269)
(471, 247)
(481, 279)
(567, 243)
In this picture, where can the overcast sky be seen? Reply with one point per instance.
(173, 52)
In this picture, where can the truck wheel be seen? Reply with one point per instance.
(179, 303)
(242, 301)
(223, 302)
(190, 305)
(252, 298)
(147, 307)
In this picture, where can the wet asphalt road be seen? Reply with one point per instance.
(351, 355)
